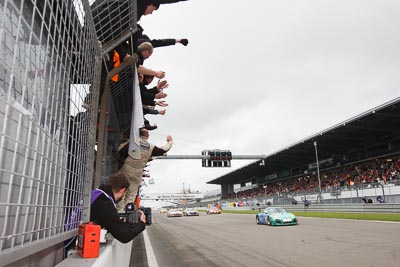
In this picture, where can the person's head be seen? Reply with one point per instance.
(148, 79)
(119, 184)
(146, 49)
(150, 8)
(144, 133)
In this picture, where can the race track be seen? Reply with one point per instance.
(236, 240)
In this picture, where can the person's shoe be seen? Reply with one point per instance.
(150, 127)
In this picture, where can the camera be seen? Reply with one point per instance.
(147, 213)
(132, 214)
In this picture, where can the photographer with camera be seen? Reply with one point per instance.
(104, 212)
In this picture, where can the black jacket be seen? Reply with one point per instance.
(148, 95)
(155, 42)
(103, 212)
(142, 4)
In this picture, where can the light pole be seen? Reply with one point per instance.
(265, 194)
(265, 191)
(183, 187)
(319, 177)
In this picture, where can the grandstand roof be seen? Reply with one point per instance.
(369, 130)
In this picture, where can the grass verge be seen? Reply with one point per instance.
(392, 217)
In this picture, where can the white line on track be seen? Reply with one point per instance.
(337, 219)
(151, 258)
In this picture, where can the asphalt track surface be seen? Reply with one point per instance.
(236, 240)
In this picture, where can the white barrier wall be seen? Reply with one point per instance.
(114, 253)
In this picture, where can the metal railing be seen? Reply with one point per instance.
(354, 208)
(56, 67)
(390, 192)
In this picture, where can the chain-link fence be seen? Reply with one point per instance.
(50, 60)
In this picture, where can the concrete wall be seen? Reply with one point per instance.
(113, 253)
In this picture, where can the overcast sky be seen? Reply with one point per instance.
(260, 75)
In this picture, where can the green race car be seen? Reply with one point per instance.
(275, 216)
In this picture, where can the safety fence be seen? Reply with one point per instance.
(387, 193)
(355, 208)
(360, 208)
(50, 80)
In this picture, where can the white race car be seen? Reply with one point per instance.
(174, 213)
(190, 212)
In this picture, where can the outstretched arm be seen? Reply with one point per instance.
(145, 71)
(160, 151)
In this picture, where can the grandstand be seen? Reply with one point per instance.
(354, 156)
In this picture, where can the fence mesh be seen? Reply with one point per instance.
(55, 63)
(49, 59)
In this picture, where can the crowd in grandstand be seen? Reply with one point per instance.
(377, 171)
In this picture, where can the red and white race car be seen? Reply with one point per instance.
(213, 210)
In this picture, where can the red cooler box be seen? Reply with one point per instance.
(89, 240)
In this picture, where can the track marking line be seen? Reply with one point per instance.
(338, 219)
(151, 258)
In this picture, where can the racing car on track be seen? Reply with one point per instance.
(190, 212)
(163, 210)
(174, 213)
(213, 210)
(275, 216)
